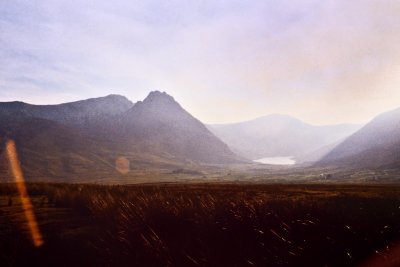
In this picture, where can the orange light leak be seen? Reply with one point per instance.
(23, 192)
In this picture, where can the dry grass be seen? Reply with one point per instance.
(202, 224)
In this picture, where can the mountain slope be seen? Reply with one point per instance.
(279, 135)
(160, 125)
(376, 144)
(47, 149)
(81, 141)
(75, 113)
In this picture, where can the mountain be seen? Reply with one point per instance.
(47, 148)
(316, 155)
(279, 135)
(75, 113)
(84, 139)
(160, 124)
(376, 144)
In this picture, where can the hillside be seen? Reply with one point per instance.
(279, 135)
(376, 144)
(160, 125)
(84, 139)
(75, 113)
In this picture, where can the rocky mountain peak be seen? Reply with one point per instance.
(159, 98)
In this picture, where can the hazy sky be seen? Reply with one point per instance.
(224, 61)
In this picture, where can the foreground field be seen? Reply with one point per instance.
(203, 225)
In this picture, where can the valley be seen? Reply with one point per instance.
(110, 182)
(199, 133)
(159, 141)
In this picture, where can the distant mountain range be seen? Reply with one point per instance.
(377, 144)
(85, 138)
(281, 135)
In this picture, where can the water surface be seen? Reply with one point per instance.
(277, 160)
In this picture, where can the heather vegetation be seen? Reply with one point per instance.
(202, 225)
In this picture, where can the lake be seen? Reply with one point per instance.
(276, 160)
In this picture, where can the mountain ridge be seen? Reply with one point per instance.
(376, 144)
(77, 112)
(159, 119)
(278, 135)
(85, 138)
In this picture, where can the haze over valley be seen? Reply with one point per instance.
(88, 140)
(280, 135)
(253, 88)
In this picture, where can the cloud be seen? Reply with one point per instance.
(322, 61)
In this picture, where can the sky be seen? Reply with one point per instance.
(324, 62)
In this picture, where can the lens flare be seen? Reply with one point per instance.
(23, 193)
(122, 165)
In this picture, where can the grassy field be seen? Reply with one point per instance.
(214, 224)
